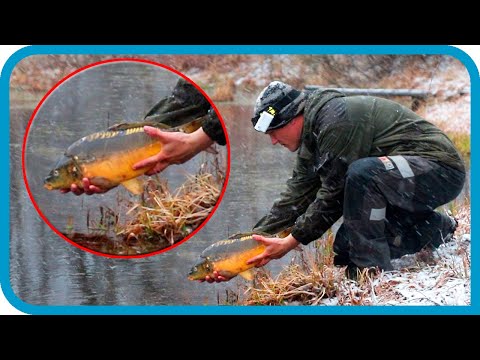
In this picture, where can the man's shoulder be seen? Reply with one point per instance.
(324, 92)
(318, 98)
(315, 107)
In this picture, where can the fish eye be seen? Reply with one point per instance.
(55, 173)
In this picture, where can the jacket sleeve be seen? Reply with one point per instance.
(185, 104)
(213, 128)
(340, 140)
(327, 205)
(301, 191)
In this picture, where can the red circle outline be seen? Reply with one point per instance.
(225, 183)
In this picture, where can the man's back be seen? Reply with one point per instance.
(377, 127)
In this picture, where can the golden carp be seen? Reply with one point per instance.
(229, 257)
(107, 157)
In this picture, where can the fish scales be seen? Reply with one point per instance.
(107, 157)
(224, 248)
(104, 144)
(229, 257)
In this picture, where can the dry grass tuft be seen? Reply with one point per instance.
(439, 277)
(172, 216)
(307, 281)
(161, 219)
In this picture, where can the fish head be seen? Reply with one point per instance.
(65, 173)
(202, 268)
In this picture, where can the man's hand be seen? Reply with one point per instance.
(216, 278)
(275, 248)
(88, 189)
(177, 148)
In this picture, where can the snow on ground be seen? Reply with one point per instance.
(447, 282)
(443, 278)
(439, 277)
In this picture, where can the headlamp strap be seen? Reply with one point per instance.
(283, 102)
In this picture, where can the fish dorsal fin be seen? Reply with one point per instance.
(120, 127)
(247, 274)
(285, 232)
(135, 186)
(155, 124)
(126, 126)
(249, 233)
(190, 126)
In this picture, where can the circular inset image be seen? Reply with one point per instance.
(97, 153)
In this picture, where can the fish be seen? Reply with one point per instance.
(107, 157)
(229, 257)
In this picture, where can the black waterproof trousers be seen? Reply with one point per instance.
(389, 209)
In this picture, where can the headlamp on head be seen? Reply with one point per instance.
(263, 121)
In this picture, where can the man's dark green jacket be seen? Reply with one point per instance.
(337, 131)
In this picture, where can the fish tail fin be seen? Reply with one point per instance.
(135, 186)
(191, 126)
(247, 274)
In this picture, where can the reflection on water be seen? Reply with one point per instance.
(46, 270)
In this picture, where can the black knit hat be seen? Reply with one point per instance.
(276, 106)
